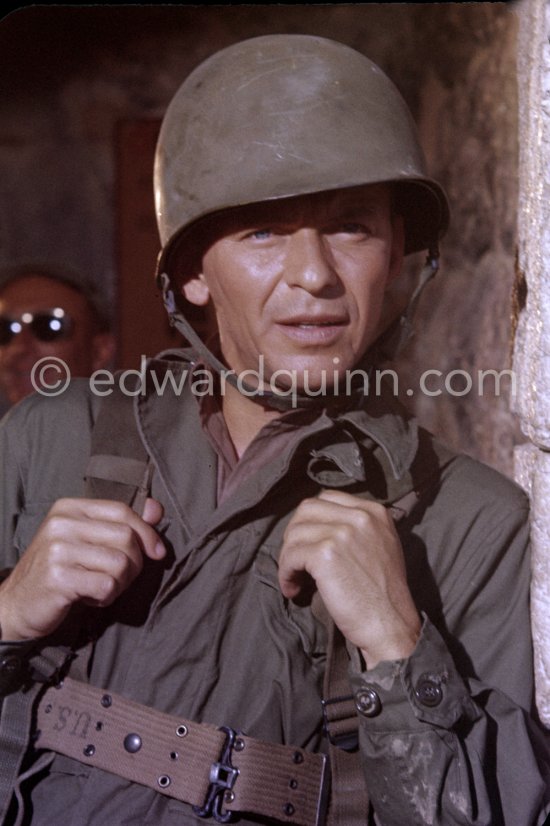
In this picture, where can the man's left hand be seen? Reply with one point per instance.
(350, 547)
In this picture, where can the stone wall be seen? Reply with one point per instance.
(531, 360)
(467, 114)
(69, 75)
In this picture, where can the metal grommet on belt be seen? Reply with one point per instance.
(368, 702)
(428, 690)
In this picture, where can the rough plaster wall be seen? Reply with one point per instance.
(69, 75)
(467, 114)
(531, 356)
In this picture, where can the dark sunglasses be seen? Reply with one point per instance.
(48, 325)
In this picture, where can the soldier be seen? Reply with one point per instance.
(48, 311)
(270, 562)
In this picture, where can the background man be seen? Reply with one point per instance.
(48, 311)
(289, 186)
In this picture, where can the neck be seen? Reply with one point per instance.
(244, 418)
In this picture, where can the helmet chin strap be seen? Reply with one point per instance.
(392, 341)
(387, 346)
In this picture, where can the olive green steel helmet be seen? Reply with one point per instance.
(285, 115)
(277, 117)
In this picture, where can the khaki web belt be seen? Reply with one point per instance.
(217, 771)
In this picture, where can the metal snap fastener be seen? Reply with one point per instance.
(132, 743)
(106, 701)
(368, 702)
(89, 750)
(428, 690)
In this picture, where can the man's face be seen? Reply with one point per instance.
(302, 282)
(83, 349)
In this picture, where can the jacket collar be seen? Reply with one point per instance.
(342, 446)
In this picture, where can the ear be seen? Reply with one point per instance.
(397, 248)
(103, 350)
(196, 291)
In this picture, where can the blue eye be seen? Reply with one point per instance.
(262, 234)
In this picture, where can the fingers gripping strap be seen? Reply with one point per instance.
(180, 758)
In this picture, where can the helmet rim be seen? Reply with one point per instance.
(320, 117)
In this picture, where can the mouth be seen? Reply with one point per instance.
(314, 331)
(307, 324)
(315, 321)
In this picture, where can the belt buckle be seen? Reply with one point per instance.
(223, 776)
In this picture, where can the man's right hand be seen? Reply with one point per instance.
(86, 550)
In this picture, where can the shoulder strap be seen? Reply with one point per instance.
(349, 799)
(119, 467)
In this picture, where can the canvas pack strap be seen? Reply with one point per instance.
(119, 466)
(349, 804)
(216, 770)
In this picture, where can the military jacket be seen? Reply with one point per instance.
(206, 633)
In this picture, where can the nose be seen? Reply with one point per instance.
(309, 262)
